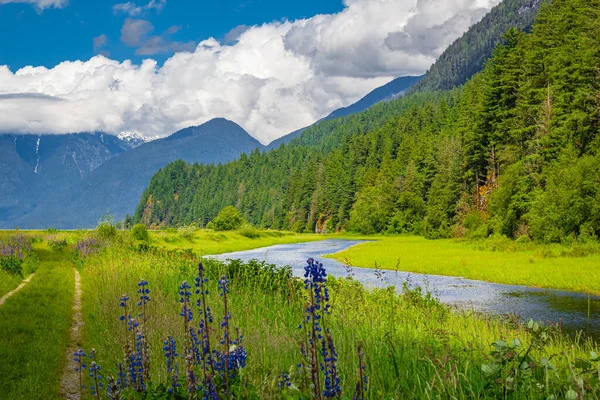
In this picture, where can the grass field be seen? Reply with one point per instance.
(8, 282)
(414, 347)
(205, 242)
(501, 261)
(34, 326)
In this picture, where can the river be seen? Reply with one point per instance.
(574, 311)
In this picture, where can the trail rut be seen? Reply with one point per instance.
(21, 286)
(69, 384)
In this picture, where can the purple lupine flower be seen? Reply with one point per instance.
(170, 349)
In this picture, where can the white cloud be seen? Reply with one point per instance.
(272, 80)
(134, 10)
(40, 4)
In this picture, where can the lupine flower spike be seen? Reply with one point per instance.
(95, 376)
(81, 366)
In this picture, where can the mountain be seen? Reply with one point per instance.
(468, 54)
(387, 92)
(118, 184)
(33, 167)
(134, 139)
(514, 152)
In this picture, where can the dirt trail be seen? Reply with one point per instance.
(21, 286)
(69, 383)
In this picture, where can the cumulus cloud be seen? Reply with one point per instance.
(271, 79)
(40, 4)
(133, 10)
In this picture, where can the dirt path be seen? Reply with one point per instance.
(69, 383)
(21, 286)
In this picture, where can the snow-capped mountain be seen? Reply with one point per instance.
(134, 139)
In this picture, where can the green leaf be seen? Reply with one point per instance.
(571, 395)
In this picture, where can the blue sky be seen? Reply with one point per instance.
(31, 36)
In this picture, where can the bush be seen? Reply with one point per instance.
(187, 232)
(57, 244)
(524, 239)
(249, 231)
(106, 230)
(140, 232)
(229, 219)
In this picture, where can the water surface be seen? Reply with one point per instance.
(552, 306)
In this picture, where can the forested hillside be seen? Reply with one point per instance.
(468, 54)
(515, 151)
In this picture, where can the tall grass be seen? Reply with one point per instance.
(413, 346)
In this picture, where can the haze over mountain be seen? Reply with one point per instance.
(387, 92)
(34, 169)
(117, 185)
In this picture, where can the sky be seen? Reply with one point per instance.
(156, 66)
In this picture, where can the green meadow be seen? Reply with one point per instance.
(492, 260)
(411, 346)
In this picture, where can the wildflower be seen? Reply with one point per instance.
(170, 349)
(184, 292)
(95, 375)
(284, 380)
(81, 366)
(143, 291)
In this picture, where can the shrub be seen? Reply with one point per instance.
(187, 232)
(229, 219)
(524, 239)
(56, 244)
(140, 232)
(249, 231)
(106, 228)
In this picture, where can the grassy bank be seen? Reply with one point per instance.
(34, 327)
(414, 347)
(205, 242)
(572, 268)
